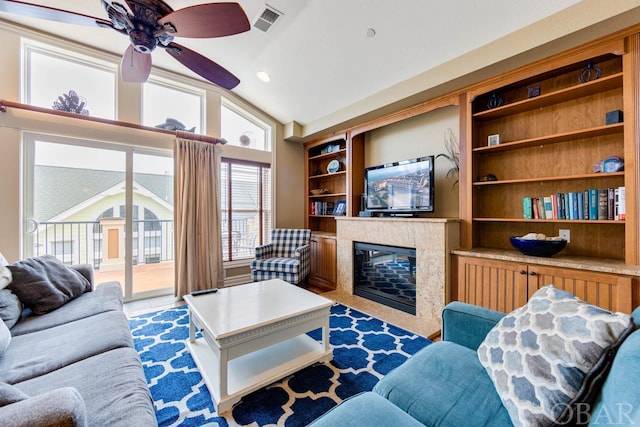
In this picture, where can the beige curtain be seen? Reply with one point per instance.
(197, 216)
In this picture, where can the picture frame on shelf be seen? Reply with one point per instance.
(340, 208)
(493, 140)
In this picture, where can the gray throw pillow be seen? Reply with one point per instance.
(44, 283)
(10, 394)
(551, 355)
(5, 338)
(10, 307)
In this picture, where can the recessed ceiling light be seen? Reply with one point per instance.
(264, 76)
(371, 32)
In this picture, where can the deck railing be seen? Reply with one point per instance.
(80, 242)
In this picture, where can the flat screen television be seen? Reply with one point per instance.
(405, 187)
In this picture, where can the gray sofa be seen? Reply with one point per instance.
(74, 365)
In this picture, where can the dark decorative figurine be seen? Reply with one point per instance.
(495, 101)
(71, 103)
(591, 72)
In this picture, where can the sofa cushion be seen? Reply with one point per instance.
(550, 355)
(444, 384)
(10, 394)
(112, 385)
(10, 307)
(365, 409)
(619, 402)
(44, 351)
(59, 407)
(106, 297)
(44, 283)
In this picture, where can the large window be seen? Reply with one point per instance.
(168, 106)
(53, 74)
(246, 207)
(242, 129)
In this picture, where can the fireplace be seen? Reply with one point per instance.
(385, 274)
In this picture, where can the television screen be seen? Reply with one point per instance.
(400, 186)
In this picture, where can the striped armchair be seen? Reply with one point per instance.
(287, 257)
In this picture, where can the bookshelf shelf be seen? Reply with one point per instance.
(617, 128)
(552, 221)
(551, 178)
(555, 97)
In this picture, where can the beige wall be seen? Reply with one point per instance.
(417, 137)
(286, 186)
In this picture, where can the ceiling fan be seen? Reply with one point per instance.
(153, 23)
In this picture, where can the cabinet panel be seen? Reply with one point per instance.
(323, 262)
(609, 291)
(504, 285)
(492, 284)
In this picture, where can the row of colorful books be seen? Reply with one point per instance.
(591, 204)
(322, 208)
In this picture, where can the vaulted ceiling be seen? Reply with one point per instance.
(332, 60)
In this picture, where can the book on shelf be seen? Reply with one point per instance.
(603, 195)
(541, 211)
(593, 203)
(580, 201)
(611, 203)
(622, 204)
(548, 207)
(527, 209)
(534, 206)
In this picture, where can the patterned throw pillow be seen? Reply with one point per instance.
(553, 353)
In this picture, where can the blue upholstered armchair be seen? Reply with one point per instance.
(287, 257)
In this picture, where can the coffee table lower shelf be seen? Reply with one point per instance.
(255, 370)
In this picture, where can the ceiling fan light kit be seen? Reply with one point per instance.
(153, 23)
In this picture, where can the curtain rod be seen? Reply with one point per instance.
(177, 133)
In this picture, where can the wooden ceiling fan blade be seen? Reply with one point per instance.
(207, 20)
(203, 66)
(135, 66)
(50, 13)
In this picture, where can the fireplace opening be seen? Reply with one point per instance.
(385, 274)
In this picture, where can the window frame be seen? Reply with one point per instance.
(30, 46)
(250, 117)
(261, 237)
(180, 87)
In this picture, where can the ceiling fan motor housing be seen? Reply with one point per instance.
(142, 25)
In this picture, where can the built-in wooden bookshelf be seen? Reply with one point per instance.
(342, 185)
(549, 144)
(552, 131)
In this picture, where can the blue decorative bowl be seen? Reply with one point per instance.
(543, 248)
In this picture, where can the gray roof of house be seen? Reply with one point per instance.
(58, 189)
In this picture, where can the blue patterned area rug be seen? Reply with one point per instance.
(364, 350)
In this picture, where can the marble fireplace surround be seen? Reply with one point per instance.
(433, 239)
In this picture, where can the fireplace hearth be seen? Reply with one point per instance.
(385, 274)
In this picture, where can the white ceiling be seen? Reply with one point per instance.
(318, 53)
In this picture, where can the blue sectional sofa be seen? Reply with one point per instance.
(445, 383)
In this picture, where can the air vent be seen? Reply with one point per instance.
(267, 18)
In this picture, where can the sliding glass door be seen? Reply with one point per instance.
(101, 204)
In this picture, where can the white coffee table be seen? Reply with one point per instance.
(254, 335)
